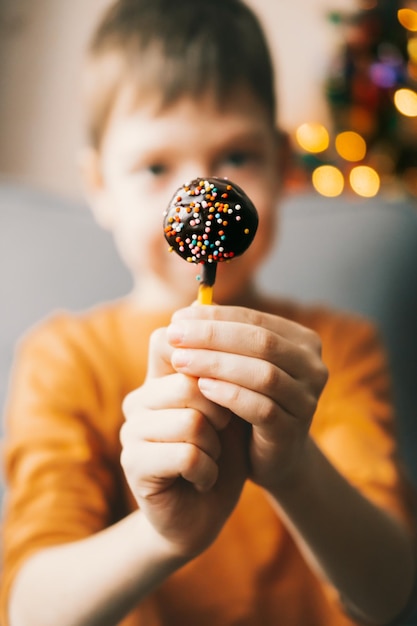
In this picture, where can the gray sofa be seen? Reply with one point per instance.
(360, 255)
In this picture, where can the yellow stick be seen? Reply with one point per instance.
(205, 294)
(208, 277)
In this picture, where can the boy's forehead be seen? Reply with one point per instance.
(134, 102)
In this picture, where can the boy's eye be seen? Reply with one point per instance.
(240, 158)
(156, 169)
(237, 159)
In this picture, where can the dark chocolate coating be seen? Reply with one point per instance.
(210, 220)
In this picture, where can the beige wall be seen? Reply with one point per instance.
(41, 44)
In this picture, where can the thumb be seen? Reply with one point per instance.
(159, 356)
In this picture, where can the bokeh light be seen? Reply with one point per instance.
(364, 181)
(383, 75)
(350, 146)
(406, 102)
(412, 48)
(368, 145)
(328, 181)
(313, 137)
(408, 19)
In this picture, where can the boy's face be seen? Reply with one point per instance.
(147, 154)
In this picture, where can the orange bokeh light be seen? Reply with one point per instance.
(364, 181)
(312, 137)
(328, 181)
(350, 146)
(408, 19)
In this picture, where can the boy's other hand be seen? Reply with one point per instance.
(265, 369)
(182, 454)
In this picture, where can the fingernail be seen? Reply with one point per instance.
(176, 333)
(180, 358)
(207, 384)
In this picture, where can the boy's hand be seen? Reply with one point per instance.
(265, 369)
(183, 456)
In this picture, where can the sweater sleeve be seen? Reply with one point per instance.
(355, 423)
(59, 447)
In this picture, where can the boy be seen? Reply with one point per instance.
(213, 497)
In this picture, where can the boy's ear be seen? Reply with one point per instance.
(94, 187)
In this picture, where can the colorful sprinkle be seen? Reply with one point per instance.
(195, 223)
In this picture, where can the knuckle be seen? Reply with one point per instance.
(126, 460)
(234, 397)
(269, 413)
(322, 375)
(128, 404)
(157, 336)
(264, 342)
(256, 318)
(319, 376)
(215, 367)
(188, 457)
(305, 337)
(123, 434)
(311, 349)
(211, 333)
(310, 405)
(193, 422)
(271, 377)
(312, 340)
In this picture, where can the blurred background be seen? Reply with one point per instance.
(344, 67)
(347, 88)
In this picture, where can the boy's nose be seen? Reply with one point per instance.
(196, 169)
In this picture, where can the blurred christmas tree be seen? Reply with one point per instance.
(372, 99)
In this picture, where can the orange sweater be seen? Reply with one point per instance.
(62, 464)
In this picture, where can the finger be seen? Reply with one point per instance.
(294, 396)
(153, 466)
(175, 391)
(173, 426)
(289, 329)
(286, 344)
(253, 407)
(159, 356)
(238, 338)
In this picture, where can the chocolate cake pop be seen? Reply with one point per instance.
(209, 221)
